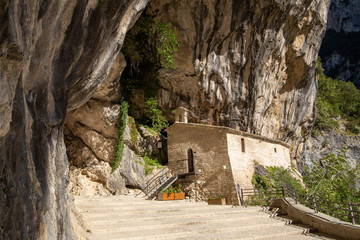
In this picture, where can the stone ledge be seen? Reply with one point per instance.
(319, 221)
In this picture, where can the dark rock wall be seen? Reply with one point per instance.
(340, 51)
(53, 56)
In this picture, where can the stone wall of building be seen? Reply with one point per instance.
(209, 143)
(224, 156)
(244, 152)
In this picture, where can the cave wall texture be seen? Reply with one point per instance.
(245, 64)
(53, 56)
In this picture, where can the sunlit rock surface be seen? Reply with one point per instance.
(245, 64)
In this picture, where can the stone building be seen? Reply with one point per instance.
(222, 157)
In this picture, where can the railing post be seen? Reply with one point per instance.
(283, 192)
(352, 213)
(314, 201)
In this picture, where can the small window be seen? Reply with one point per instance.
(274, 149)
(242, 145)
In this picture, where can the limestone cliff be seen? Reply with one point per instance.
(53, 56)
(318, 146)
(245, 64)
(340, 50)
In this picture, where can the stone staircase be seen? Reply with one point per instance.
(169, 181)
(126, 217)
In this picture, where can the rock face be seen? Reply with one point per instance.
(324, 143)
(340, 51)
(249, 65)
(53, 56)
(91, 134)
(245, 64)
(344, 16)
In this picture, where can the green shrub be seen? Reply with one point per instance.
(166, 42)
(277, 177)
(336, 98)
(122, 125)
(150, 164)
(158, 121)
(351, 126)
(134, 133)
(334, 179)
(148, 47)
(150, 130)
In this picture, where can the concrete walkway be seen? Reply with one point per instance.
(124, 217)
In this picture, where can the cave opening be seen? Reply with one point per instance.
(93, 131)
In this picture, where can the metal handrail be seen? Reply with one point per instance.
(156, 181)
(352, 210)
(155, 176)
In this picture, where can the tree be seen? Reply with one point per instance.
(333, 178)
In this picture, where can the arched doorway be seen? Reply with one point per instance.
(190, 160)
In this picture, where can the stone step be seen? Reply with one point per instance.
(157, 206)
(299, 237)
(253, 231)
(121, 217)
(174, 219)
(179, 222)
(104, 199)
(164, 210)
(130, 206)
(147, 215)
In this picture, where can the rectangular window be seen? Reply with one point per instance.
(242, 145)
(274, 149)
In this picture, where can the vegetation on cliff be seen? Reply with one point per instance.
(158, 121)
(120, 144)
(150, 163)
(276, 177)
(149, 46)
(336, 99)
(332, 179)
